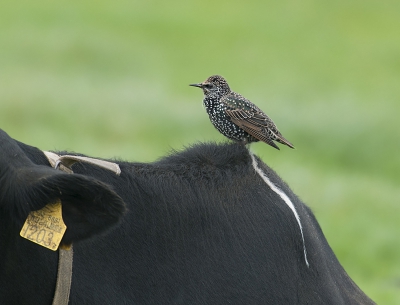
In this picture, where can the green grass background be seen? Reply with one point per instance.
(110, 79)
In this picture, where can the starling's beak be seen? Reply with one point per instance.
(197, 85)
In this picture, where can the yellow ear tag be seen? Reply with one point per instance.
(45, 227)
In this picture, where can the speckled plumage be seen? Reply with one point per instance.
(235, 116)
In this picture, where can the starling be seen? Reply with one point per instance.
(235, 116)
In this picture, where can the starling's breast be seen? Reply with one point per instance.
(222, 122)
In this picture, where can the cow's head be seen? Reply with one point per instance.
(88, 206)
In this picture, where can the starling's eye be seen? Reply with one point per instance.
(208, 86)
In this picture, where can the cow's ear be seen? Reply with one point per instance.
(89, 206)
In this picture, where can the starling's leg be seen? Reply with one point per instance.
(244, 141)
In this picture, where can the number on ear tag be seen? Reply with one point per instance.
(45, 227)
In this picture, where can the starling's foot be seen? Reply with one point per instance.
(244, 141)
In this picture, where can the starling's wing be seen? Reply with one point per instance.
(251, 119)
(239, 118)
(258, 134)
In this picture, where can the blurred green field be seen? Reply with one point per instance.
(110, 79)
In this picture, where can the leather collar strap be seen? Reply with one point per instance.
(64, 276)
(65, 254)
(66, 161)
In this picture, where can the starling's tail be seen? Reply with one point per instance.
(282, 140)
(270, 142)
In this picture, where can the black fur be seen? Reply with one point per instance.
(201, 227)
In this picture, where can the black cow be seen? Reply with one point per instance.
(197, 227)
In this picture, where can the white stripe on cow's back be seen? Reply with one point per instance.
(284, 197)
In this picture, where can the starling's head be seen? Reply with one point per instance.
(214, 85)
